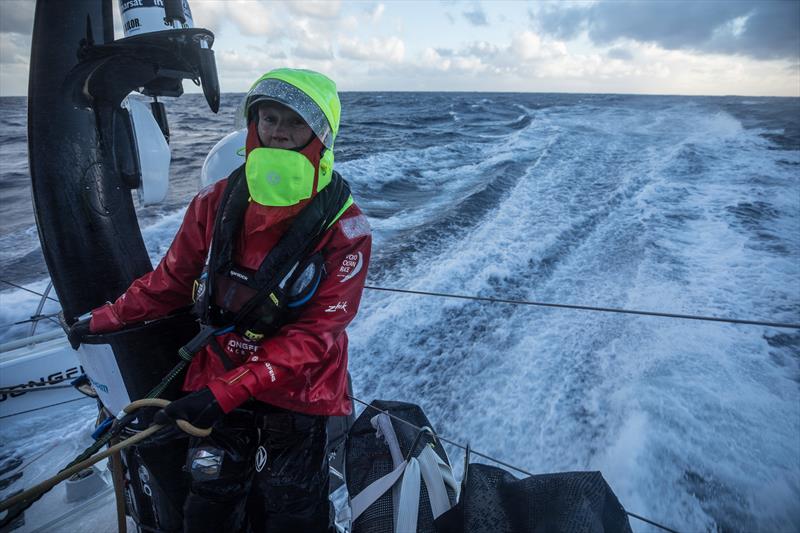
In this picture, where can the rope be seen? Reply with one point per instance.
(29, 290)
(119, 490)
(36, 491)
(102, 441)
(591, 308)
(490, 458)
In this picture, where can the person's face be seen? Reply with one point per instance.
(280, 127)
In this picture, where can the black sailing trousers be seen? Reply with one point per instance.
(262, 469)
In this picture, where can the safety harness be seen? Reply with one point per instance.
(256, 303)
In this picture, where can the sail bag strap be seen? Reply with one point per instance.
(407, 508)
(383, 424)
(373, 491)
(436, 474)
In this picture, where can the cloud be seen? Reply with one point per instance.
(476, 17)
(208, 14)
(763, 29)
(432, 60)
(319, 9)
(389, 49)
(252, 18)
(14, 49)
(16, 16)
(313, 50)
(525, 55)
(14, 63)
(620, 53)
(376, 13)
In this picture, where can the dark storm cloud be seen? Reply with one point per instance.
(476, 17)
(764, 29)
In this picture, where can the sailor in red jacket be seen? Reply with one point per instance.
(267, 394)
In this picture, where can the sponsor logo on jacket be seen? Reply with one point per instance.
(340, 306)
(351, 265)
(239, 347)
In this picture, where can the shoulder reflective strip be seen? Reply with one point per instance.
(282, 284)
(310, 294)
(354, 227)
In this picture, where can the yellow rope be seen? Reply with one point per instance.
(48, 484)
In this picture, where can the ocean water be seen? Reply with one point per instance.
(680, 204)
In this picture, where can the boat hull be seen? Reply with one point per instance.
(39, 375)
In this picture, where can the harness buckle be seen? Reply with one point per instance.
(253, 336)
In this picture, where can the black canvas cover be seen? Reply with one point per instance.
(368, 459)
(494, 501)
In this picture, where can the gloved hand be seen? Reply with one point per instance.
(199, 408)
(77, 332)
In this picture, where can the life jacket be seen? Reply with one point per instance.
(256, 303)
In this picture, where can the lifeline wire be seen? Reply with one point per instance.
(590, 308)
(46, 407)
(29, 290)
(543, 304)
(498, 461)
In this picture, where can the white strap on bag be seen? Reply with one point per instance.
(383, 424)
(436, 474)
(406, 512)
(373, 491)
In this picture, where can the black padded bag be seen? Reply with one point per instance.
(494, 501)
(368, 458)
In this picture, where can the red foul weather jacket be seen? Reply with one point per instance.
(303, 367)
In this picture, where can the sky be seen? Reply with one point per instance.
(743, 47)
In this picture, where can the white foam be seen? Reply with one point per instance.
(652, 401)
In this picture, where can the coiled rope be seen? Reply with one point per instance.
(489, 457)
(33, 493)
(24, 503)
